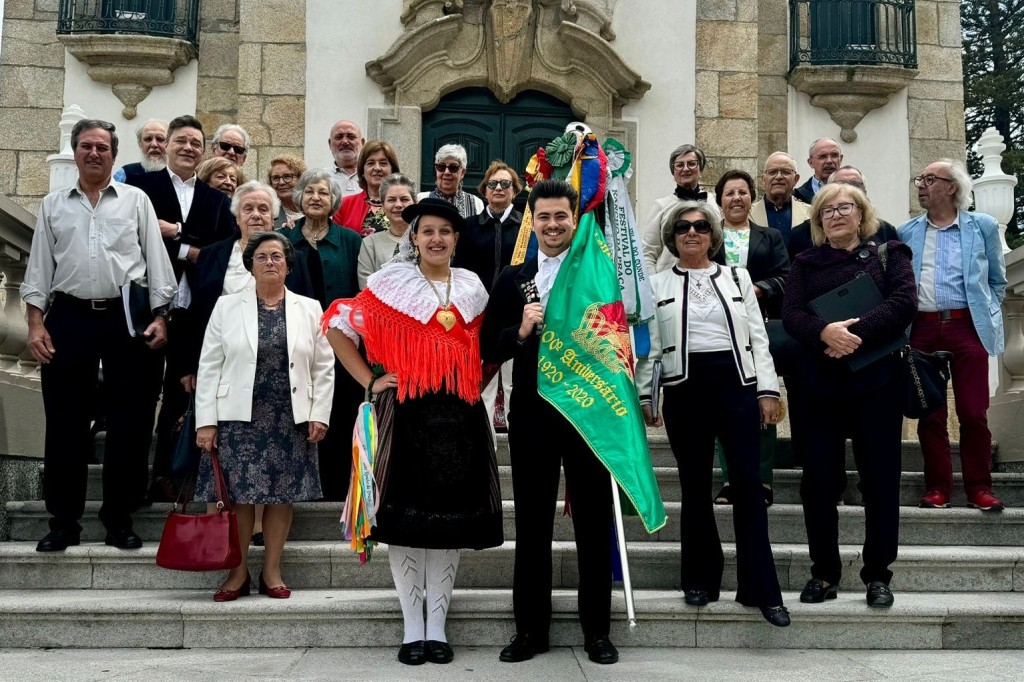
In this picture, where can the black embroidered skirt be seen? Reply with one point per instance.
(439, 478)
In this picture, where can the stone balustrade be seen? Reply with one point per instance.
(1006, 414)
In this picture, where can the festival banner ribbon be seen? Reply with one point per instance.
(585, 363)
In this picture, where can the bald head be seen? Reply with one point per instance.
(779, 178)
(346, 141)
(848, 175)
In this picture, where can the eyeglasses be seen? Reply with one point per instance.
(452, 168)
(227, 147)
(287, 177)
(495, 184)
(699, 226)
(680, 165)
(841, 209)
(928, 180)
(784, 172)
(262, 258)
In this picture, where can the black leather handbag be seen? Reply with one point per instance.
(186, 454)
(926, 376)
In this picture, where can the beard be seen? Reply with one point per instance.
(150, 164)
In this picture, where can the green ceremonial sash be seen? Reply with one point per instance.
(585, 368)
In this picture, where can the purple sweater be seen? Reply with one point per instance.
(819, 270)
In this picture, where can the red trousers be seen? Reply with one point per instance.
(971, 395)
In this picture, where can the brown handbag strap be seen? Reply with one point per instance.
(223, 498)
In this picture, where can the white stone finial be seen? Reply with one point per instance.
(63, 172)
(993, 191)
(72, 114)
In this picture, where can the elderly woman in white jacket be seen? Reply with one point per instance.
(263, 401)
(719, 382)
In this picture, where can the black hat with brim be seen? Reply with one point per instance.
(435, 207)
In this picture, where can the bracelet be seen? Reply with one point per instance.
(377, 371)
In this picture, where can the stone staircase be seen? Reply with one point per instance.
(959, 582)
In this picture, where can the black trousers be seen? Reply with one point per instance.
(873, 419)
(541, 441)
(82, 338)
(712, 403)
(173, 403)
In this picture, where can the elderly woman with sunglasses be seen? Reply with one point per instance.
(719, 382)
(450, 168)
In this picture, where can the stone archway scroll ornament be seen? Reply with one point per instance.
(561, 47)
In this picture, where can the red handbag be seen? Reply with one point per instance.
(201, 542)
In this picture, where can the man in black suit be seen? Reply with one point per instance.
(825, 157)
(541, 441)
(192, 215)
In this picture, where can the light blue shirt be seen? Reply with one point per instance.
(950, 290)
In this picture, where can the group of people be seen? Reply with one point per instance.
(279, 306)
(735, 309)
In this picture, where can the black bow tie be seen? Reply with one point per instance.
(689, 194)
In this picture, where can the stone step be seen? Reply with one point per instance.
(319, 521)
(320, 565)
(661, 453)
(1008, 487)
(372, 617)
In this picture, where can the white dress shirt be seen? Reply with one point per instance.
(186, 192)
(547, 272)
(348, 182)
(91, 251)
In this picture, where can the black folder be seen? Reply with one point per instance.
(856, 299)
(137, 313)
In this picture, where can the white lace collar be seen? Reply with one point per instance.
(403, 287)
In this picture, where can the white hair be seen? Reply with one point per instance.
(255, 186)
(138, 131)
(964, 184)
(782, 154)
(452, 151)
(231, 126)
(810, 152)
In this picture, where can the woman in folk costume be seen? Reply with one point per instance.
(420, 319)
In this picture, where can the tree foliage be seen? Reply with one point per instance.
(993, 58)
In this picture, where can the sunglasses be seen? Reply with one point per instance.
(226, 147)
(495, 184)
(452, 168)
(699, 226)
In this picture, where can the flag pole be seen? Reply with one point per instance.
(627, 584)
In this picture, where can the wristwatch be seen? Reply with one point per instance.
(178, 235)
(163, 311)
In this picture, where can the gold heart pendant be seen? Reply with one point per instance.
(446, 318)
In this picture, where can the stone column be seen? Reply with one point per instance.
(772, 87)
(727, 85)
(217, 81)
(31, 98)
(272, 80)
(935, 99)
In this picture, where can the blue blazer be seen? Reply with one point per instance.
(984, 271)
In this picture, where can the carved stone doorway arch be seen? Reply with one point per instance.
(558, 47)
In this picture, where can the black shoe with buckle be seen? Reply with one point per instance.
(413, 653)
(699, 597)
(439, 652)
(815, 592)
(879, 595)
(776, 615)
(601, 650)
(523, 647)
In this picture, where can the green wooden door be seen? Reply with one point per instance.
(490, 130)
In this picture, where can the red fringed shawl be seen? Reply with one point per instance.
(425, 358)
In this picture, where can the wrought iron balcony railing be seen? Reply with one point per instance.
(161, 18)
(835, 32)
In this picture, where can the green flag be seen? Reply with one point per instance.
(585, 368)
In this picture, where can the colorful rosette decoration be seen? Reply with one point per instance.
(360, 514)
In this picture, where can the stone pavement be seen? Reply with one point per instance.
(480, 663)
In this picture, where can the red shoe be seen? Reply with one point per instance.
(279, 592)
(934, 499)
(985, 501)
(232, 595)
